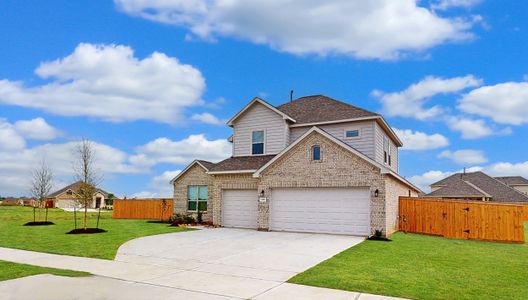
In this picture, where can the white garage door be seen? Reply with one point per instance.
(239, 208)
(323, 210)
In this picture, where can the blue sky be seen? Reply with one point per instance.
(450, 75)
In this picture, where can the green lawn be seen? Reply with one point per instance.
(426, 267)
(13, 270)
(53, 238)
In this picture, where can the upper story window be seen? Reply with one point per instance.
(257, 142)
(385, 150)
(387, 159)
(352, 133)
(316, 153)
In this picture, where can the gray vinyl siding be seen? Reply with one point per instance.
(259, 117)
(380, 134)
(364, 143)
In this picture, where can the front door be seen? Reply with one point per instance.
(97, 202)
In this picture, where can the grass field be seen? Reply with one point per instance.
(53, 238)
(13, 270)
(426, 267)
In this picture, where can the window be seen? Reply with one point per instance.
(351, 133)
(316, 153)
(197, 198)
(69, 192)
(257, 142)
(390, 153)
(385, 149)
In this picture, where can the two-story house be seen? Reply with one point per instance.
(313, 164)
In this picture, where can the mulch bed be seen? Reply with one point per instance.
(379, 238)
(39, 223)
(86, 231)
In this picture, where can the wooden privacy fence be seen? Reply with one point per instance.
(158, 209)
(463, 219)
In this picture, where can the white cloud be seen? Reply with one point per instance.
(505, 103)
(447, 4)
(417, 140)
(470, 129)
(508, 169)
(16, 165)
(375, 29)
(10, 139)
(160, 185)
(466, 156)
(207, 118)
(164, 150)
(36, 129)
(411, 101)
(423, 181)
(108, 82)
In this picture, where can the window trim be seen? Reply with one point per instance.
(197, 198)
(352, 137)
(312, 153)
(263, 143)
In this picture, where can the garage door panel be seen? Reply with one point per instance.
(325, 210)
(239, 208)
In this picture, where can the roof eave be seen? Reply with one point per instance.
(231, 172)
(187, 168)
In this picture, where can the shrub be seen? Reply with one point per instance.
(189, 219)
(199, 217)
(177, 219)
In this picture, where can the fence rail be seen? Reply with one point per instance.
(156, 209)
(463, 219)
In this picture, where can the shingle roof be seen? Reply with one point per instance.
(207, 164)
(74, 187)
(499, 191)
(457, 189)
(319, 108)
(239, 163)
(513, 180)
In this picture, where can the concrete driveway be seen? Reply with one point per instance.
(205, 264)
(232, 262)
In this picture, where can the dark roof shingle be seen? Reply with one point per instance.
(513, 180)
(319, 108)
(239, 163)
(499, 191)
(207, 164)
(457, 189)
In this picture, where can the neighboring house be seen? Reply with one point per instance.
(68, 196)
(478, 186)
(517, 182)
(314, 164)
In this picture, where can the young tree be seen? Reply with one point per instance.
(87, 175)
(41, 185)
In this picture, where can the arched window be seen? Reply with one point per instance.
(316, 152)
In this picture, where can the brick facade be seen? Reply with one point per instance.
(195, 175)
(337, 168)
(394, 189)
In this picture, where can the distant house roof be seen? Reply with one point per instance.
(319, 108)
(476, 184)
(241, 164)
(75, 187)
(513, 180)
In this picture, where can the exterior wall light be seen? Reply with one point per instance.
(376, 193)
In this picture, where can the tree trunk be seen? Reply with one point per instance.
(85, 216)
(34, 213)
(46, 213)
